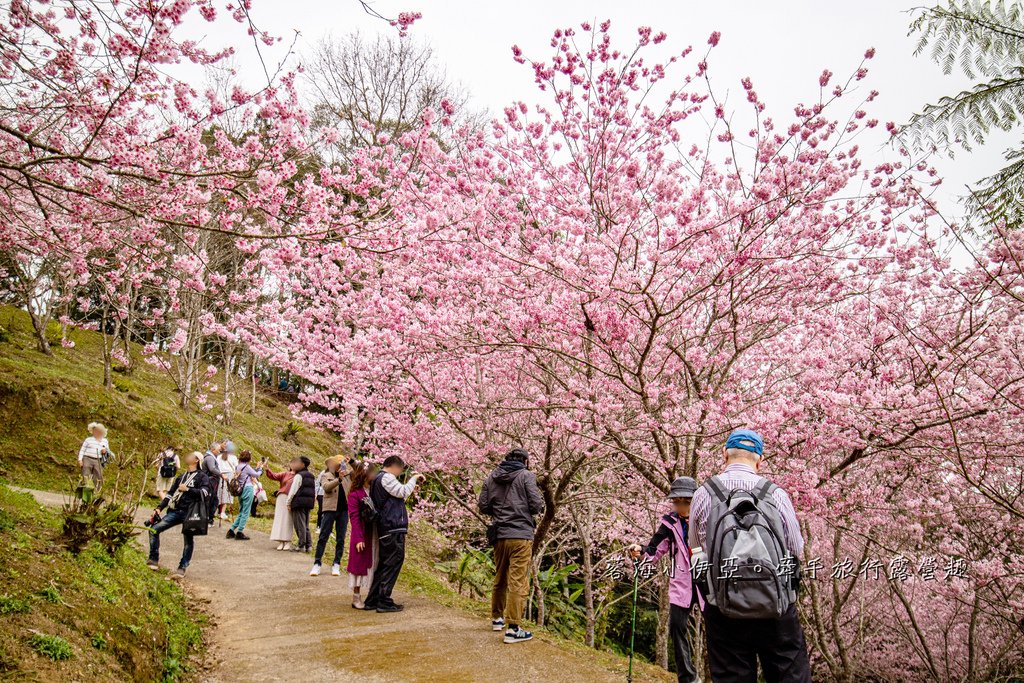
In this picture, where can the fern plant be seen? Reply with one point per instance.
(985, 41)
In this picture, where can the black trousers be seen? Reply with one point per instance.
(678, 619)
(735, 645)
(392, 556)
(336, 521)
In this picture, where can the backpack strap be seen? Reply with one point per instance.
(717, 489)
(763, 490)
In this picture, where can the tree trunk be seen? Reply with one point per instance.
(229, 353)
(538, 590)
(252, 374)
(108, 351)
(40, 321)
(661, 640)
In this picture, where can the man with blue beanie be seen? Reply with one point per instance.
(735, 640)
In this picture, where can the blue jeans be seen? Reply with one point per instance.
(171, 519)
(338, 520)
(244, 508)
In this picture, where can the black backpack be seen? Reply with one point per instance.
(168, 470)
(369, 513)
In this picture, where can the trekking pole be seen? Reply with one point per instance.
(632, 628)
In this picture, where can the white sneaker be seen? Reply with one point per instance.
(520, 635)
(498, 624)
(336, 570)
(223, 515)
(315, 571)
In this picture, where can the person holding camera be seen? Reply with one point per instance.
(94, 454)
(281, 530)
(247, 477)
(189, 488)
(388, 495)
(335, 515)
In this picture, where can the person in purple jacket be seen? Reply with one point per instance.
(672, 537)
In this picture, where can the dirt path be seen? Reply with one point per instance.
(273, 622)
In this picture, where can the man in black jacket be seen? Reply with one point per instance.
(388, 495)
(190, 487)
(510, 496)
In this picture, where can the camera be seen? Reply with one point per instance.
(152, 520)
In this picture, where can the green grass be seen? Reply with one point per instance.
(90, 617)
(52, 647)
(47, 401)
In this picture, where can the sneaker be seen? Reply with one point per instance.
(497, 624)
(336, 570)
(178, 573)
(231, 533)
(152, 564)
(393, 607)
(315, 571)
(223, 515)
(517, 635)
(242, 537)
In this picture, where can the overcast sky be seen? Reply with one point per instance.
(781, 44)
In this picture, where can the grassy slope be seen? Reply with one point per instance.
(45, 404)
(119, 620)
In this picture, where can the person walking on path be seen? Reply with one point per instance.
(768, 571)
(388, 495)
(362, 552)
(335, 516)
(94, 454)
(302, 499)
(281, 530)
(247, 477)
(672, 537)
(511, 497)
(167, 465)
(190, 487)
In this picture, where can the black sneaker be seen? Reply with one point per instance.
(393, 607)
(231, 533)
(242, 537)
(517, 635)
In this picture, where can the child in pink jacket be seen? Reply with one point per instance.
(672, 536)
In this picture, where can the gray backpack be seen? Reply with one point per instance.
(749, 567)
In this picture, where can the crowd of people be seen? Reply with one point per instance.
(734, 541)
(346, 494)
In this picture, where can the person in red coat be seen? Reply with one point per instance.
(361, 553)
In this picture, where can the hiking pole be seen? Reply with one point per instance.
(632, 628)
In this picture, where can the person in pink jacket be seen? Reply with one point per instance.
(672, 537)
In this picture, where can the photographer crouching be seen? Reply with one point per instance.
(186, 504)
